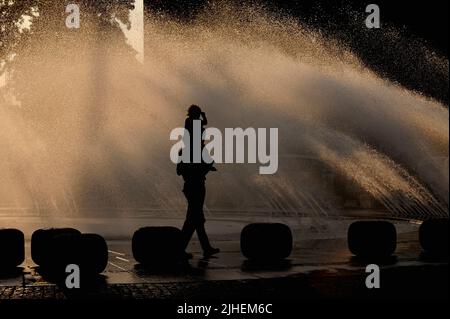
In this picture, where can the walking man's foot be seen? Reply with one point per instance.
(210, 252)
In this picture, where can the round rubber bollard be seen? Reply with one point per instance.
(372, 239)
(266, 241)
(158, 245)
(433, 236)
(63, 249)
(41, 239)
(12, 247)
(94, 253)
(88, 251)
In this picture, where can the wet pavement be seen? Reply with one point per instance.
(318, 267)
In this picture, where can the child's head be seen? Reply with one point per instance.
(194, 111)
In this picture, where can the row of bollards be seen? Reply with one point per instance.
(54, 249)
(378, 239)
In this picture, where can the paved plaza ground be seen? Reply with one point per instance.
(320, 267)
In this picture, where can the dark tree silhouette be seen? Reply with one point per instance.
(61, 76)
(22, 50)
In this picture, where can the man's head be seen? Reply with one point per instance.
(194, 111)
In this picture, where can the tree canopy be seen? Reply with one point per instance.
(28, 24)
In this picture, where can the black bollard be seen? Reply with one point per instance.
(266, 241)
(88, 251)
(158, 245)
(433, 237)
(12, 247)
(41, 240)
(372, 239)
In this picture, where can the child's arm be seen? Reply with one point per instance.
(204, 119)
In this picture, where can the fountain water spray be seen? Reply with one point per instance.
(92, 132)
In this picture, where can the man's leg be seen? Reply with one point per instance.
(208, 250)
(188, 230)
(189, 224)
(203, 237)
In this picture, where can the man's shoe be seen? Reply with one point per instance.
(210, 252)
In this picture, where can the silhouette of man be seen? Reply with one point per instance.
(194, 176)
